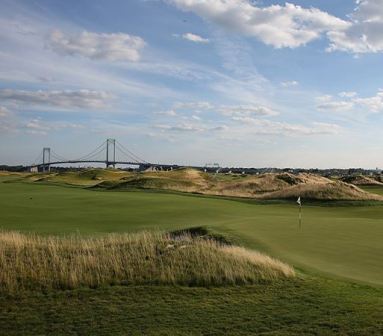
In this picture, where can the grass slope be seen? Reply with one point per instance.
(265, 186)
(341, 241)
(361, 180)
(35, 262)
(305, 307)
(333, 239)
(374, 189)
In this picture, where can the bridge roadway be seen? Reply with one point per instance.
(108, 163)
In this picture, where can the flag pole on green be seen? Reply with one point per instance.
(300, 211)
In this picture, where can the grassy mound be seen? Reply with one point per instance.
(289, 186)
(362, 180)
(185, 180)
(8, 173)
(35, 262)
(147, 182)
(264, 186)
(252, 186)
(86, 177)
(324, 191)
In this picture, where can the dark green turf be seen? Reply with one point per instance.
(373, 189)
(309, 307)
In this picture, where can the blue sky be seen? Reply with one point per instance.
(238, 82)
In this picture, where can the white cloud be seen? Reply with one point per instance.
(15, 123)
(220, 128)
(351, 101)
(195, 38)
(40, 127)
(336, 106)
(246, 110)
(62, 99)
(190, 127)
(243, 121)
(324, 98)
(193, 105)
(182, 127)
(365, 34)
(168, 113)
(291, 25)
(373, 104)
(112, 47)
(347, 94)
(35, 124)
(24, 60)
(3, 111)
(7, 122)
(268, 127)
(289, 83)
(280, 26)
(227, 110)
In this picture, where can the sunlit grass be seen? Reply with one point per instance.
(29, 261)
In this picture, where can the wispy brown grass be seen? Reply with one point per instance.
(34, 262)
(330, 191)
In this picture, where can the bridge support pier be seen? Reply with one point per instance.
(46, 159)
(110, 153)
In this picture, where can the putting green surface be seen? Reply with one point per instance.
(342, 241)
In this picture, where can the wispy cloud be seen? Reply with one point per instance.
(63, 99)
(227, 110)
(280, 26)
(247, 110)
(39, 127)
(3, 111)
(111, 47)
(268, 127)
(195, 38)
(292, 26)
(336, 106)
(350, 100)
(364, 34)
(195, 106)
(287, 84)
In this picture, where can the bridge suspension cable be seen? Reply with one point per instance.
(51, 157)
(129, 153)
(58, 157)
(39, 159)
(93, 153)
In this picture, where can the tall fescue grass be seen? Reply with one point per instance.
(29, 261)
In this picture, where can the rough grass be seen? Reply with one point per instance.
(84, 178)
(304, 307)
(264, 186)
(326, 191)
(332, 233)
(361, 180)
(35, 262)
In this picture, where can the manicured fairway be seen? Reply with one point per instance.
(342, 241)
(373, 189)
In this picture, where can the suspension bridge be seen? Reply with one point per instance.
(110, 153)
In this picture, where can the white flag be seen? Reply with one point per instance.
(299, 201)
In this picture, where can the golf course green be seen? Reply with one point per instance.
(339, 241)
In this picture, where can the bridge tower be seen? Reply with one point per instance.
(46, 159)
(110, 153)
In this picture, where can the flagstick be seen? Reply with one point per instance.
(300, 217)
(300, 212)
